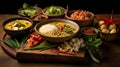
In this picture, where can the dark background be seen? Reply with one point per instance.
(95, 6)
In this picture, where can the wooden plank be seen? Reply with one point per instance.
(50, 56)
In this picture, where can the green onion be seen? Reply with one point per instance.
(93, 57)
(42, 46)
(93, 49)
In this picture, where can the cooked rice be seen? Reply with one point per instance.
(48, 28)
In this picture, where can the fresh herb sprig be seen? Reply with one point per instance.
(93, 47)
(15, 43)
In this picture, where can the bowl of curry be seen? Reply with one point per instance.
(57, 30)
(17, 26)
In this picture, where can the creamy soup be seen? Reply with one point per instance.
(18, 25)
(57, 29)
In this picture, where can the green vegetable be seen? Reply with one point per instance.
(42, 46)
(68, 29)
(94, 50)
(10, 42)
(25, 5)
(23, 41)
(15, 43)
(18, 24)
(54, 10)
(92, 56)
(28, 10)
(69, 32)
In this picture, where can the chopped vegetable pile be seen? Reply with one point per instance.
(70, 47)
(34, 40)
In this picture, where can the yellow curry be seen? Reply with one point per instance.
(63, 29)
(18, 25)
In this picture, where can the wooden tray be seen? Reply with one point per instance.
(43, 56)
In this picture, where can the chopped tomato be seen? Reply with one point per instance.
(89, 31)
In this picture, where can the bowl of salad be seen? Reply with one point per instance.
(54, 11)
(33, 12)
(27, 10)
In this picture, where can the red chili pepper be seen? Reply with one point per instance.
(55, 51)
(31, 35)
(71, 53)
(61, 28)
(110, 21)
(34, 40)
(62, 51)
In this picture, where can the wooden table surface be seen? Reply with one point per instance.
(111, 53)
